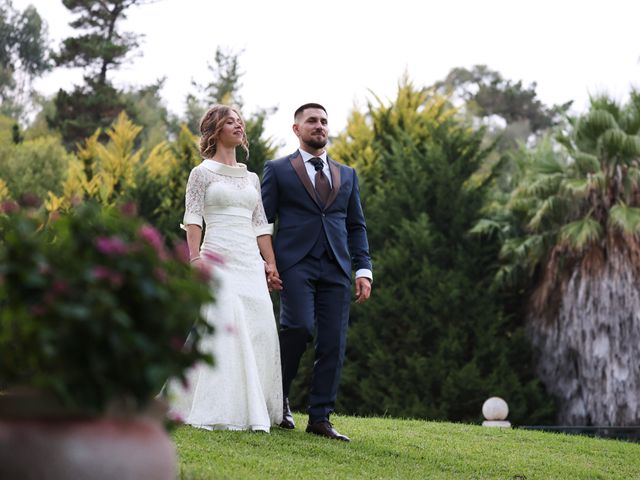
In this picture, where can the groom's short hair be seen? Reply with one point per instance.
(302, 108)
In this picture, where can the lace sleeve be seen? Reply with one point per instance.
(259, 219)
(194, 198)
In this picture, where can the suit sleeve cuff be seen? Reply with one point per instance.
(264, 229)
(366, 273)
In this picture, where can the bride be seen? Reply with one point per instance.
(243, 390)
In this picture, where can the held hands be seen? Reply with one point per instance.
(273, 277)
(363, 289)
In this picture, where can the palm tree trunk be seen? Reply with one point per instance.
(589, 351)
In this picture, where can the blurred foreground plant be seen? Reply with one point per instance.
(93, 307)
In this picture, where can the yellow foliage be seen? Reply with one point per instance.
(54, 203)
(103, 171)
(107, 171)
(118, 158)
(87, 152)
(4, 191)
(160, 160)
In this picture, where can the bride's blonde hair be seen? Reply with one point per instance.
(211, 126)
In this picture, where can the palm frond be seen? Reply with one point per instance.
(586, 163)
(597, 181)
(524, 251)
(612, 143)
(629, 120)
(605, 103)
(632, 146)
(550, 208)
(631, 182)
(581, 233)
(625, 218)
(547, 163)
(593, 125)
(486, 227)
(506, 276)
(576, 187)
(544, 185)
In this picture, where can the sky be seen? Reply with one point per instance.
(341, 52)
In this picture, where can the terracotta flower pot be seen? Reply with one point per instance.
(50, 446)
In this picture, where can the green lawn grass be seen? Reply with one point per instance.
(392, 448)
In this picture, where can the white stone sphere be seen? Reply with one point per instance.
(495, 408)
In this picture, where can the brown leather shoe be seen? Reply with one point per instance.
(287, 417)
(325, 429)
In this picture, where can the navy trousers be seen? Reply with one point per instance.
(315, 303)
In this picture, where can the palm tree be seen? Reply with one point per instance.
(574, 234)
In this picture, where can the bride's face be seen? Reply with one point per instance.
(232, 131)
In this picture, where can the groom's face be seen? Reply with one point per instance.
(312, 128)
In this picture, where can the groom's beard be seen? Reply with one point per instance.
(315, 144)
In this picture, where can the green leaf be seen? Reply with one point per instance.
(595, 123)
(549, 208)
(576, 187)
(548, 164)
(581, 233)
(586, 162)
(613, 143)
(486, 227)
(632, 146)
(625, 218)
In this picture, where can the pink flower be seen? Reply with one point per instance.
(38, 310)
(50, 298)
(59, 286)
(213, 257)
(175, 417)
(10, 206)
(176, 343)
(204, 271)
(30, 200)
(181, 251)
(101, 272)
(153, 238)
(54, 216)
(129, 209)
(161, 274)
(113, 246)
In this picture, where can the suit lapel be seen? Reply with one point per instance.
(301, 171)
(335, 181)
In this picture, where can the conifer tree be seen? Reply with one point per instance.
(99, 48)
(224, 88)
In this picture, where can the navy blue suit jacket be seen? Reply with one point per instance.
(289, 196)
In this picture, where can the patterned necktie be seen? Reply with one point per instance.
(323, 187)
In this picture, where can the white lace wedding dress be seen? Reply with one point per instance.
(243, 390)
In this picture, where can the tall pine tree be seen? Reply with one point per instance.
(224, 87)
(99, 48)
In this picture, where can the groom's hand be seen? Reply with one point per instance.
(363, 289)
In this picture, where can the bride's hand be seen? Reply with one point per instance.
(273, 277)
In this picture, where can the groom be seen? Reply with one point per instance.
(321, 236)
